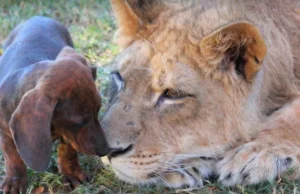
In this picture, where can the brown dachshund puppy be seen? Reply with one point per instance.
(46, 94)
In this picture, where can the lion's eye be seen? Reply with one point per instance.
(174, 94)
(115, 85)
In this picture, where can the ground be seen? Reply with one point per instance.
(92, 27)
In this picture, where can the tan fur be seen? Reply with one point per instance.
(227, 122)
(235, 35)
(128, 21)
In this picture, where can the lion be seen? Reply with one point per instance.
(205, 88)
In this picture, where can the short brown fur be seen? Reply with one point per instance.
(47, 92)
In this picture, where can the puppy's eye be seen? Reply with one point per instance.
(82, 124)
(175, 94)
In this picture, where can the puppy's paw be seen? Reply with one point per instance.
(74, 178)
(14, 185)
(255, 162)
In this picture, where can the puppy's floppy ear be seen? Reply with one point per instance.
(30, 126)
(240, 45)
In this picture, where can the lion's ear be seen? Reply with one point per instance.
(238, 46)
(132, 16)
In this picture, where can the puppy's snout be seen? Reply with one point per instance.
(103, 152)
(103, 148)
(115, 152)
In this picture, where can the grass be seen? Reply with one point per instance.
(92, 27)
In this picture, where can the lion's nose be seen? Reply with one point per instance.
(115, 152)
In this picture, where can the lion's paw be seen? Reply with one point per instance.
(186, 178)
(192, 173)
(253, 163)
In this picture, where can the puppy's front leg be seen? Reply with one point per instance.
(69, 165)
(15, 179)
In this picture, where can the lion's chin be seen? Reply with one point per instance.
(138, 169)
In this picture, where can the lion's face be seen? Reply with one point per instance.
(163, 115)
(168, 106)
